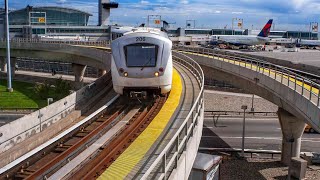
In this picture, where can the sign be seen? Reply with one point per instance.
(240, 25)
(157, 21)
(315, 28)
(41, 20)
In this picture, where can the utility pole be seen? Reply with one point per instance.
(8, 47)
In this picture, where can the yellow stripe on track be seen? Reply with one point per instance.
(136, 151)
(254, 68)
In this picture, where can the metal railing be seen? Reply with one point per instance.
(300, 84)
(168, 158)
(58, 41)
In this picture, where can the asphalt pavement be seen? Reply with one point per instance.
(261, 134)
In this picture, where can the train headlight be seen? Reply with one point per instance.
(125, 74)
(121, 70)
(156, 74)
(161, 69)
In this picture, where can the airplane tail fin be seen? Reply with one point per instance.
(266, 29)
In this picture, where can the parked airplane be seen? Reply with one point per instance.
(308, 43)
(239, 40)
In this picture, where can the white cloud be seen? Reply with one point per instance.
(144, 2)
(184, 2)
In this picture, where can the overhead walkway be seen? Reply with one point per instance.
(296, 96)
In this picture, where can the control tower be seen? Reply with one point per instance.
(104, 11)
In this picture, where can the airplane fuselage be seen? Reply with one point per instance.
(239, 39)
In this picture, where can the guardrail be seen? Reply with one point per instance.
(57, 41)
(300, 84)
(169, 157)
(211, 113)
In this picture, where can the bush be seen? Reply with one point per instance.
(62, 88)
(42, 89)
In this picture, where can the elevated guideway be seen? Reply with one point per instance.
(296, 95)
(173, 149)
(172, 154)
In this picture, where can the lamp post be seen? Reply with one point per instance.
(8, 47)
(244, 107)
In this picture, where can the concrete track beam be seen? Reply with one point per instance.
(78, 70)
(292, 130)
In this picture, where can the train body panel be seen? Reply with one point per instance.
(142, 61)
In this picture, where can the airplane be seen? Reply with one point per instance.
(247, 40)
(307, 43)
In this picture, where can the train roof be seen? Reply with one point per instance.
(147, 30)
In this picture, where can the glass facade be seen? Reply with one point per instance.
(49, 16)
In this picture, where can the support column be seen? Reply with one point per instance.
(3, 64)
(102, 72)
(78, 70)
(292, 130)
(13, 66)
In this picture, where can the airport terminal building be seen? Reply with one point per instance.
(33, 22)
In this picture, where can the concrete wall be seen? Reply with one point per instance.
(29, 125)
(60, 52)
(263, 86)
(188, 157)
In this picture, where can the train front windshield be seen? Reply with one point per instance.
(141, 55)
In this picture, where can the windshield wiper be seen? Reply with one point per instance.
(144, 65)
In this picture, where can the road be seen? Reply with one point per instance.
(261, 133)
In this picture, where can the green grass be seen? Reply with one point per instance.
(22, 97)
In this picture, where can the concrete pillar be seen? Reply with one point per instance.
(292, 130)
(3, 64)
(102, 72)
(13, 66)
(78, 70)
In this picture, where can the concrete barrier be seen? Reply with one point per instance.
(29, 125)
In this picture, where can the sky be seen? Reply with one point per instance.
(287, 14)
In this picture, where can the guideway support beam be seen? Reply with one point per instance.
(78, 71)
(292, 130)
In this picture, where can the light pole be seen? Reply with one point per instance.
(8, 47)
(244, 107)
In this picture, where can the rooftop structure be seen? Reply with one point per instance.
(48, 16)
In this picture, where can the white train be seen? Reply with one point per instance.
(142, 63)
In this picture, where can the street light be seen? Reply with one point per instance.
(8, 47)
(244, 107)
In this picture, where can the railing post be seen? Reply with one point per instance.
(310, 91)
(281, 75)
(318, 97)
(164, 165)
(288, 78)
(302, 85)
(295, 81)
